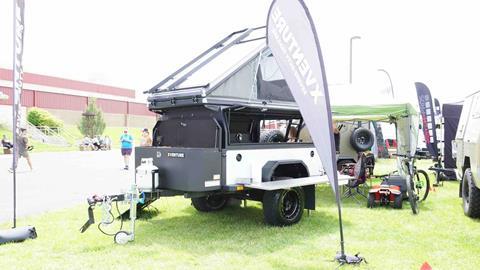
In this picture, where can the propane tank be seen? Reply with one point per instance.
(143, 174)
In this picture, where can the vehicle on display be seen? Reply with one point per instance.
(231, 134)
(466, 151)
(385, 194)
(241, 135)
(233, 137)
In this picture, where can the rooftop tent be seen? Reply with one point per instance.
(257, 80)
(238, 69)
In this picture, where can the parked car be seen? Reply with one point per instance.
(466, 151)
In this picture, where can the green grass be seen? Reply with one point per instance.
(236, 238)
(113, 132)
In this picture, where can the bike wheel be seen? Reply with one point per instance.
(421, 184)
(412, 196)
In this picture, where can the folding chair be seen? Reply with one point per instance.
(358, 184)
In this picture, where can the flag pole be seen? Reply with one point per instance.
(337, 197)
(14, 116)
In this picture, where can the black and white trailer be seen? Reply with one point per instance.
(233, 137)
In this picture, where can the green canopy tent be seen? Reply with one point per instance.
(403, 115)
(382, 112)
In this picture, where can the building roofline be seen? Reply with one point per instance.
(50, 81)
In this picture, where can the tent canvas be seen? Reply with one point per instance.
(371, 112)
(403, 115)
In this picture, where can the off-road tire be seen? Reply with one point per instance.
(470, 195)
(361, 139)
(209, 203)
(283, 207)
(371, 200)
(398, 202)
(272, 136)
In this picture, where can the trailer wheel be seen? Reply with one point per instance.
(209, 203)
(371, 200)
(283, 207)
(470, 195)
(398, 202)
(122, 237)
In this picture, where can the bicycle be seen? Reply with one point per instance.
(418, 182)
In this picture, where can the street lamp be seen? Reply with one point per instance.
(389, 78)
(351, 51)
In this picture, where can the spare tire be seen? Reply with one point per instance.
(272, 136)
(362, 139)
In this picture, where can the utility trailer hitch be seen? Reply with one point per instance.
(131, 197)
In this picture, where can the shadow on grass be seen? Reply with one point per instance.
(234, 229)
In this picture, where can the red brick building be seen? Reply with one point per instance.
(67, 99)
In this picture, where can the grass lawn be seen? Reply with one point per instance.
(236, 238)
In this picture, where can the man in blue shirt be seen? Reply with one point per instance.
(127, 145)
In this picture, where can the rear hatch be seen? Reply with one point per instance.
(185, 169)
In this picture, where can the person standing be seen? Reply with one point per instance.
(146, 139)
(22, 144)
(108, 143)
(336, 136)
(126, 141)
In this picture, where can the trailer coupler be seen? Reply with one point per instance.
(131, 197)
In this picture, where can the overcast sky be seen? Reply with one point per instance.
(135, 44)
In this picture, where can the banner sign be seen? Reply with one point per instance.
(19, 8)
(292, 37)
(438, 111)
(428, 117)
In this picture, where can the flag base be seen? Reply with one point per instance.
(17, 234)
(349, 259)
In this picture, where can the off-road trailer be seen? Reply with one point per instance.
(212, 141)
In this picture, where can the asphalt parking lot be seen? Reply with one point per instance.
(61, 180)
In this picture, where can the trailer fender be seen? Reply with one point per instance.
(284, 168)
(275, 169)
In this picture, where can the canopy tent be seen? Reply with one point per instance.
(383, 112)
(403, 115)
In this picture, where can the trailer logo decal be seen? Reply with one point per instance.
(210, 183)
(176, 155)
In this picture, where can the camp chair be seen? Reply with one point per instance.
(358, 184)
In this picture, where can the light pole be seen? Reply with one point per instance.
(351, 51)
(390, 79)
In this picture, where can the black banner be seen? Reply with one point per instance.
(428, 117)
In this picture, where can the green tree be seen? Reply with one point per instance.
(39, 117)
(92, 122)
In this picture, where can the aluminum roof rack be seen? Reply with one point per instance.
(182, 74)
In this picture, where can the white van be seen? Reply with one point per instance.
(466, 151)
